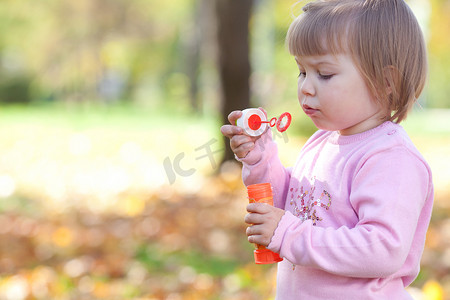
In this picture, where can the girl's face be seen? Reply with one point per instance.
(334, 95)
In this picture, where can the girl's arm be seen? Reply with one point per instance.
(262, 164)
(392, 197)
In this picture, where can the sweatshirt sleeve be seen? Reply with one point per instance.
(388, 193)
(262, 164)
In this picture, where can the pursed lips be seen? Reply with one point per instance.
(309, 110)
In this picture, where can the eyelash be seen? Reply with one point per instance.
(323, 77)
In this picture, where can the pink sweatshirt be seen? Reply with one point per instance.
(357, 211)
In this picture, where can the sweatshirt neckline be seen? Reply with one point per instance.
(339, 139)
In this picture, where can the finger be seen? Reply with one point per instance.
(241, 149)
(239, 140)
(259, 239)
(233, 116)
(258, 208)
(254, 230)
(242, 152)
(256, 236)
(229, 130)
(254, 239)
(253, 219)
(249, 231)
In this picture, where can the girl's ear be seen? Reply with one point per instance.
(392, 81)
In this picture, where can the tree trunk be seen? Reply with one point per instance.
(193, 48)
(233, 54)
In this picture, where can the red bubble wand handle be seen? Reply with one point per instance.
(262, 193)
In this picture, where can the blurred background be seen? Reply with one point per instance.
(115, 182)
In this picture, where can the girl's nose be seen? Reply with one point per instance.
(306, 87)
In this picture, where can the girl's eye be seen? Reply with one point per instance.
(325, 77)
(302, 74)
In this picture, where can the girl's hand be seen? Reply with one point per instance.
(240, 143)
(263, 219)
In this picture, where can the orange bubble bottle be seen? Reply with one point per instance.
(262, 193)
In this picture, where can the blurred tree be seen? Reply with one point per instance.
(234, 64)
(15, 89)
(199, 49)
(193, 48)
(160, 52)
(87, 50)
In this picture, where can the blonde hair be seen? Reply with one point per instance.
(382, 36)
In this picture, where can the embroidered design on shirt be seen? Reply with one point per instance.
(307, 208)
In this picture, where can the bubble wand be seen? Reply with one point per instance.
(254, 122)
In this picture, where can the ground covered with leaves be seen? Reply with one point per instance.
(176, 247)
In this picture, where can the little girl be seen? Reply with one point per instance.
(350, 217)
